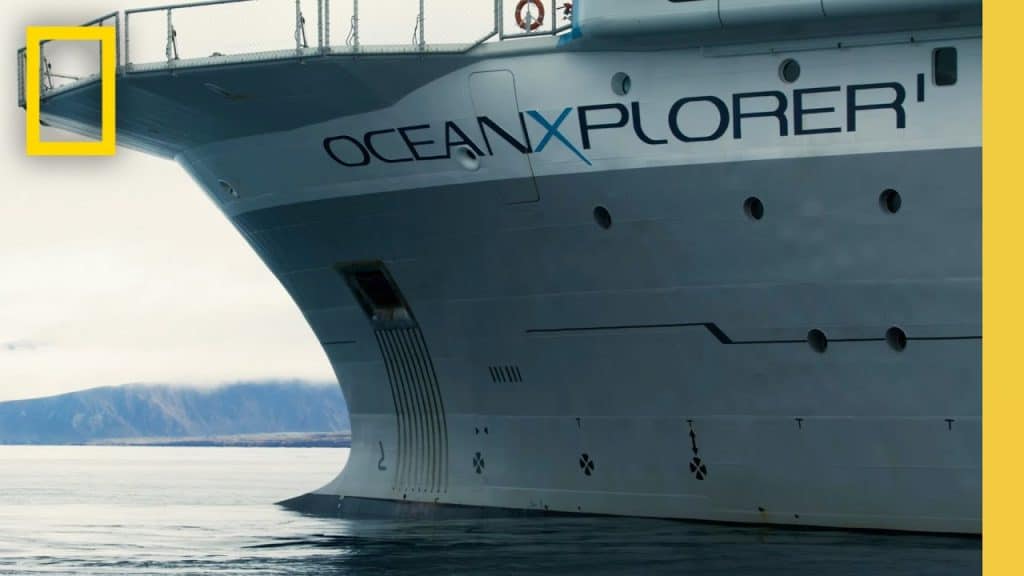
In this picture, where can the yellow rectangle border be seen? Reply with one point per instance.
(107, 37)
(1002, 297)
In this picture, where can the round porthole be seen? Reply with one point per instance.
(227, 188)
(896, 338)
(466, 158)
(817, 341)
(621, 84)
(603, 217)
(754, 208)
(789, 70)
(890, 201)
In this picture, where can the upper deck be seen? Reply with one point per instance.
(198, 72)
(218, 43)
(169, 38)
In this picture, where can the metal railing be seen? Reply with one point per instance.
(213, 32)
(73, 66)
(181, 35)
(22, 63)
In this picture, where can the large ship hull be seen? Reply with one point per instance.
(670, 350)
(714, 294)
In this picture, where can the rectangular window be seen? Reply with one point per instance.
(945, 66)
(377, 293)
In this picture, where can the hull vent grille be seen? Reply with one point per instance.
(505, 374)
(422, 428)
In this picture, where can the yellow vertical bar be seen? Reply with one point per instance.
(1002, 317)
(32, 79)
(107, 36)
(108, 85)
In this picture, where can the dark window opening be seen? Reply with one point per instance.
(377, 293)
(817, 340)
(621, 84)
(603, 217)
(945, 66)
(890, 201)
(754, 208)
(789, 70)
(896, 338)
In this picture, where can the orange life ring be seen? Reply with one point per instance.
(537, 23)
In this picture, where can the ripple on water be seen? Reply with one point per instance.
(207, 511)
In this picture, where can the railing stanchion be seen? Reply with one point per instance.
(127, 46)
(45, 80)
(117, 40)
(172, 38)
(21, 77)
(298, 25)
(355, 25)
(423, 35)
(327, 25)
(320, 25)
(500, 16)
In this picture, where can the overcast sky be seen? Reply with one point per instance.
(120, 270)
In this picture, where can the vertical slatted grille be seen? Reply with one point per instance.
(422, 428)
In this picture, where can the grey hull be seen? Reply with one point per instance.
(715, 292)
(591, 368)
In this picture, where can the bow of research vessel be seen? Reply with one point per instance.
(711, 260)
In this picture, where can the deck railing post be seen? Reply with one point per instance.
(423, 34)
(171, 51)
(499, 17)
(45, 80)
(117, 39)
(326, 23)
(298, 25)
(127, 46)
(21, 77)
(355, 25)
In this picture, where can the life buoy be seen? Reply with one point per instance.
(520, 16)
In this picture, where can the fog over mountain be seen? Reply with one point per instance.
(148, 411)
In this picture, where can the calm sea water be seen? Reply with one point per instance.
(173, 511)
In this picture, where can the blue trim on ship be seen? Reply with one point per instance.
(577, 31)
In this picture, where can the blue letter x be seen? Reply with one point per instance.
(553, 131)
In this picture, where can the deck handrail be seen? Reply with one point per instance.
(355, 43)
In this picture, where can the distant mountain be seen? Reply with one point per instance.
(159, 411)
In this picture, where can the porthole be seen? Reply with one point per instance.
(621, 84)
(754, 208)
(227, 188)
(789, 70)
(817, 341)
(603, 217)
(890, 201)
(466, 158)
(896, 338)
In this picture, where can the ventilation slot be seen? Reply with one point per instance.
(505, 374)
(422, 427)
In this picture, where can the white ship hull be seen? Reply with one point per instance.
(582, 315)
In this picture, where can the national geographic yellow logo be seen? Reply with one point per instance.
(34, 37)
